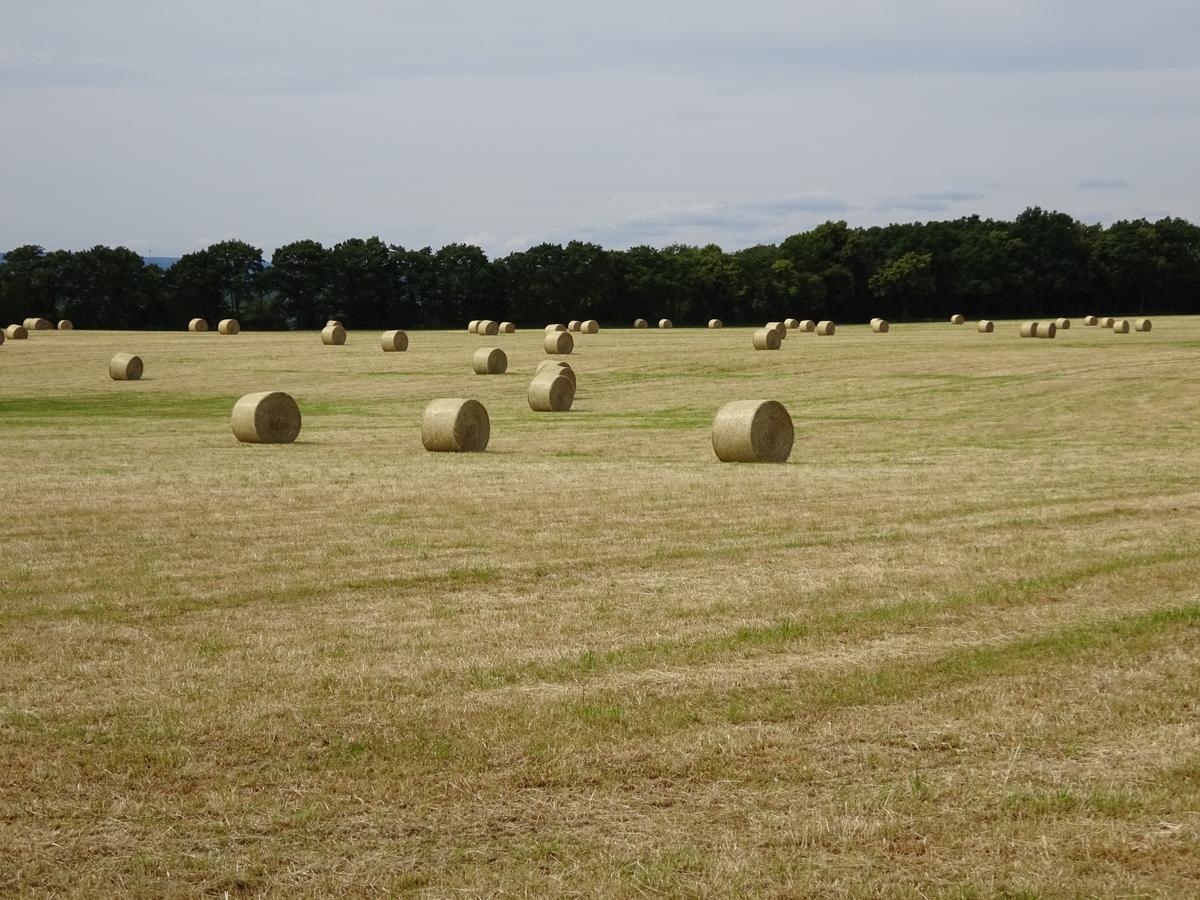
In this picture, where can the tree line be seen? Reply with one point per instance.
(1041, 263)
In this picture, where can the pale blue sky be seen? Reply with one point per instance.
(165, 126)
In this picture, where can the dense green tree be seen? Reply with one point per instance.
(300, 278)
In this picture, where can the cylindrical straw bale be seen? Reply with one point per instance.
(125, 367)
(267, 417)
(665, 323)
(752, 431)
(573, 325)
(715, 323)
(807, 325)
(557, 367)
(394, 341)
(487, 327)
(66, 325)
(1029, 329)
(766, 339)
(508, 328)
(1046, 330)
(228, 326)
(1141, 325)
(489, 361)
(1062, 324)
(38, 324)
(957, 319)
(590, 326)
(792, 324)
(16, 332)
(826, 327)
(329, 323)
(556, 327)
(1121, 326)
(198, 325)
(640, 323)
(558, 342)
(1107, 322)
(472, 325)
(454, 425)
(780, 327)
(550, 392)
(986, 326)
(880, 326)
(2, 337)
(1091, 320)
(333, 335)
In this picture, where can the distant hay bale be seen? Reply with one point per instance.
(590, 326)
(1091, 320)
(228, 326)
(489, 361)
(455, 425)
(37, 324)
(551, 392)
(880, 326)
(792, 324)
(826, 327)
(1046, 330)
(66, 325)
(2, 337)
(329, 323)
(267, 417)
(766, 339)
(508, 328)
(640, 323)
(394, 341)
(986, 326)
(957, 319)
(556, 327)
(487, 327)
(780, 327)
(715, 323)
(807, 325)
(1121, 326)
(1029, 329)
(198, 325)
(557, 366)
(472, 325)
(574, 325)
(558, 342)
(1107, 322)
(1141, 325)
(665, 323)
(125, 367)
(333, 335)
(753, 431)
(1062, 324)
(16, 332)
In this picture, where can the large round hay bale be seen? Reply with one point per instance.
(752, 431)
(986, 326)
(1091, 320)
(66, 325)
(487, 327)
(556, 327)
(558, 367)
(329, 323)
(1029, 329)
(394, 341)
(38, 324)
(780, 327)
(715, 323)
(508, 328)
(574, 325)
(957, 319)
(1141, 325)
(807, 325)
(551, 392)
(267, 417)
(1062, 324)
(228, 326)
(198, 325)
(1107, 322)
(454, 425)
(125, 367)
(1121, 326)
(665, 323)
(590, 326)
(766, 339)
(880, 326)
(791, 324)
(16, 332)
(640, 323)
(1045, 330)
(333, 335)
(472, 325)
(558, 342)
(489, 361)
(826, 327)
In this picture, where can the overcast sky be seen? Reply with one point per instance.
(167, 126)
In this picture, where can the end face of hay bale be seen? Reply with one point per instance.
(66, 325)
(487, 327)
(125, 367)
(551, 392)
(640, 323)
(267, 417)
(38, 324)
(665, 323)
(198, 325)
(489, 361)
(16, 332)
(556, 327)
(766, 339)
(508, 328)
(957, 319)
(1029, 329)
(472, 325)
(1062, 324)
(1142, 325)
(1121, 326)
(1045, 330)
(808, 325)
(559, 342)
(333, 335)
(986, 326)
(557, 367)
(753, 431)
(880, 326)
(715, 323)
(1107, 322)
(394, 341)
(574, 325)
(228, 326)
(2, 337)
(826, 328)
(455, 425)
(590, 326)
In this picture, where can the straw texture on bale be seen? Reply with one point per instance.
(125, 367)
(1062, 324)
(455, 425)
(1141, 325)
(331, 322)
(198, 325)
(792, 324)
(986, 326)
(766, 339)
(753, 431)
(957, 319)
(590, 326)
(1045, 330)
(333, 335)
(66, 325)
(1091, 320)
(665, 323)
(808, 325)
(487, 327)
(508, 328)
(228, 326)
(266, 417)
(557, 327)
(1029, 329)
(551, 392)
(557, 367)
(36, 324)
(489, 361)
(574, 325)
(558, 342)
(472, 325)
(880, 326)
(780, 327)
(826, 327)
(715, 323)
(16, 332)
(394, 341)
(640, 323)
(1107, 322)
(1121, 326)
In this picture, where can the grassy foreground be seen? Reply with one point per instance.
(951, 649)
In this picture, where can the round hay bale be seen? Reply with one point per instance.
(1029, 329)
(880, 326)
(1141, 325)
(590, 326)
(394, 341)
(487, 327)
(766, 339)
(329, 323)
(1046, 330)
(29, 323)
(125, 367)
(551, 392)
(807, 325)
(558, 367)
(574, 325)
(2, 338)
(640, 323)
(826, 327)
(715, 323)
(986, 326)
(957, 319)
(66, 325)
(556, 327)
(1107, 322)
(780, 327)
(665, 323)
(267, 417)
(489, 361)
(1062, 324)
(198, 325)
(37, 324)
(558, 342)
(228, 326)
(508, 328)
(472, 325)
(1121, 326)
(454, 425)
(16, 332)
(333, 335)
(791, 324)
(753, 431)
(1091, 320)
